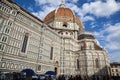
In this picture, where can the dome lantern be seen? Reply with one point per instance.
(62, 3)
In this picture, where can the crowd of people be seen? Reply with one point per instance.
(19, 76)
(62, 77)
(79, 77)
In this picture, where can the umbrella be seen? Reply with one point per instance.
(34, 76)
(50, 73)
(28, 71)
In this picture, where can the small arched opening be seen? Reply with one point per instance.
(65, 24)
(55, 69)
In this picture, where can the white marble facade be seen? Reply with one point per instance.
(28, 42)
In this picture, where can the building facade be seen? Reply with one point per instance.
(58, 43)
(115, 70)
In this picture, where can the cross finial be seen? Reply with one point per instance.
(62, 3)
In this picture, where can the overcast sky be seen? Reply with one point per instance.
(102, 16)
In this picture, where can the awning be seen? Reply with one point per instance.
(50, 73)
(34, 76)
(28, 71)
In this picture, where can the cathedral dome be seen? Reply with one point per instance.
(63, 14)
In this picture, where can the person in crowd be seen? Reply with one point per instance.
(61, 77)
(46, 78)
(66, 77)
(71, 78)
(49, 77)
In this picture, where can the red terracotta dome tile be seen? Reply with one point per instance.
(63, 12)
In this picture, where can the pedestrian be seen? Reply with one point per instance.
(66, 78)
(63, 77)
(59, 77)
(79, 77)
(49, 77)
(46, 78)
(71, 78)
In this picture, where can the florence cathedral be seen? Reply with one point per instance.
(58, 43)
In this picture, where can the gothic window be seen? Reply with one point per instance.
(113, 74)
(71, 33)
(81, 47)
(39, 67)
(112, 70)
(55, 70)
(97, 63)
(51, 53)
(14, 12)
(15, 66)
(78, 64)
(66, 32)
(24, 45)
(1, 46)
(3, 65)
(7, 65)
(12, 65)
(90, 47)
(40, 57)
(9, 23)
(117, 74)
(4, 38)
(7, 30)
(116, 70)
(1, 20)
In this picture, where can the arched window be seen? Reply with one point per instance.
(58, 32)
(117, 74)
(97, 63)
(78, 67)
(65, 24)
(71, 33)
(51, 53)
(56, 70)
(90, 47)
(81, 47)
(66, 32)
(39, 67)
(24, 45)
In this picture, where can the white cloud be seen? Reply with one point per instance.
(30, 8)
(97, 8)
(110, 35)
(115, 57)
(46, 7)
(101, 9)
(88, 18)
(73, 1)
(44, 12)
(48, 2)
(49, 5)
(99, 35)
(113, 36)
(79, 12)
(93, 24)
